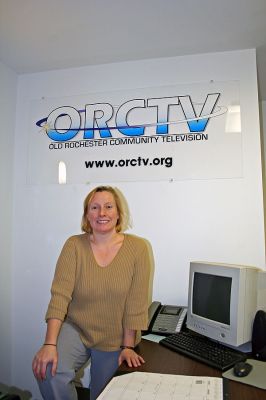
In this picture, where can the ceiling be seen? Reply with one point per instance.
(42, 35)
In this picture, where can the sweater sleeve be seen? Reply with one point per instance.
(63, 282)
(136, 308)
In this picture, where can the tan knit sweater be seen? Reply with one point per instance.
(101, 302)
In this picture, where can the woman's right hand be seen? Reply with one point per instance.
(47, 354)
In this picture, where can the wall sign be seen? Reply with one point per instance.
(177, 132)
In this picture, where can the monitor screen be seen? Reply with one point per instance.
(211, 297)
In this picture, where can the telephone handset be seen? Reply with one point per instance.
(166, 319)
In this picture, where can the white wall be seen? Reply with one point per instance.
(8, 84)
(215, 220)
(263, 149)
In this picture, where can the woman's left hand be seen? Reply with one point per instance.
(131, 357)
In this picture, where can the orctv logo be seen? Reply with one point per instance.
(64, 123)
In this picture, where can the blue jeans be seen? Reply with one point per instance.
(72, 355)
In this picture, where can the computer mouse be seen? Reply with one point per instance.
(242, 369)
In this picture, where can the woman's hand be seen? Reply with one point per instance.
(131, 357)
(47, 354)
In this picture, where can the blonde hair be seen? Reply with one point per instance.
(123, 217)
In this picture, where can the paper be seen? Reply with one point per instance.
(151, 386)
(153, 338)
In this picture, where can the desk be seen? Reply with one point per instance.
(162, 360)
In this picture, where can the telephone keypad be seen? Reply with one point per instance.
(169, 319)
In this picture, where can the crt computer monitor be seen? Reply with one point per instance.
(222, 301)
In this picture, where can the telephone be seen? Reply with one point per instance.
(166, 320)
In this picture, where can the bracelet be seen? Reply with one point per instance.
(126, 347)
(49, 344)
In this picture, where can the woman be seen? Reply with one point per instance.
(99, 301)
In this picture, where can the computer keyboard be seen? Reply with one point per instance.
(203, 349)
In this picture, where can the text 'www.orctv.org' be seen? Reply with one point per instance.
(131, 162)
